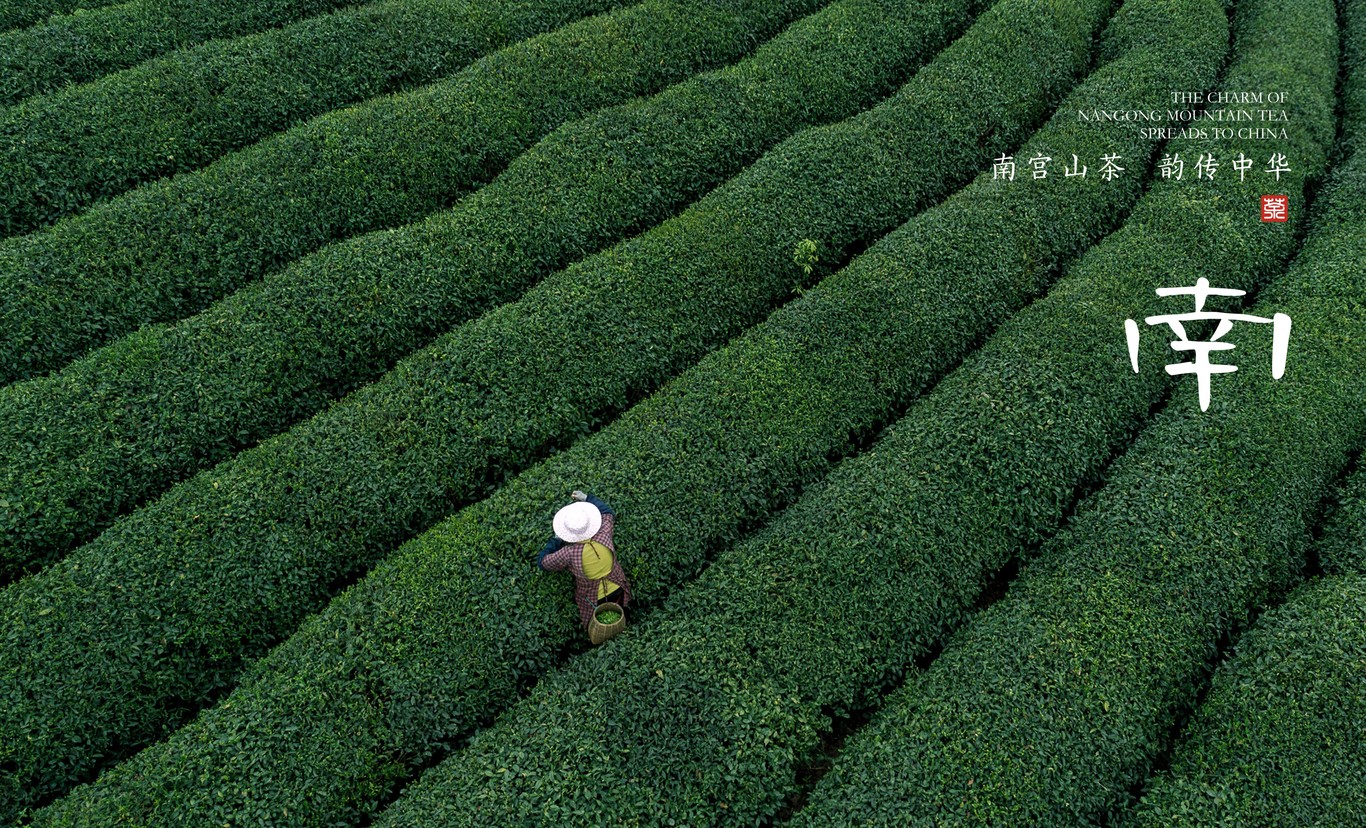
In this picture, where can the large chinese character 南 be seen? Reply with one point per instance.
(1202, 367)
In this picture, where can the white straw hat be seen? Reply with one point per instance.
(577, 522)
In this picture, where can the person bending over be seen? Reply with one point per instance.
(582, 543)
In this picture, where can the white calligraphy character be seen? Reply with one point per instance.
(1202, 367)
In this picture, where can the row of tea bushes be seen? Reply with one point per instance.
(739, 673)
(1084, 668)
(1281, 738)
(18, 13)
(87, 44)
(63, 151)
(103, 435)
(1057, 699)
(726, 443)
(171, 248)
(1341, 551)
(1353, 17)
(261, 538)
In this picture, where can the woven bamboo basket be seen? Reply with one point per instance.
(599, 632)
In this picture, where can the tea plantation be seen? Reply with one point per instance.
(871, 319)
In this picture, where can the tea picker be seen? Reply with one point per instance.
(582, 543)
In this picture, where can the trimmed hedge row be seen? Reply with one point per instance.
(260, 538)
(1353, 18)
(84, 45)
(567, 197)
(1055, 700)
(725, 443)
(63, 151)
(1341, 550)
(129, 420)
(170, 248)
(702, 715)
(1281, 738)
(17, 13)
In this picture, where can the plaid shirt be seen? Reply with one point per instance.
(570, 556)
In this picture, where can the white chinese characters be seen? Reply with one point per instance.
(1201, 366)
(1171, 166)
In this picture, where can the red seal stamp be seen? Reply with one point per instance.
(1275, 208)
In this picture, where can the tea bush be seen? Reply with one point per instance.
(110, 431)
(1341, 551)
(18, 13)
(775, 637)
(1056, 700)
(63, 151)
(89, 43)
(260, 538)
(1281, 738)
